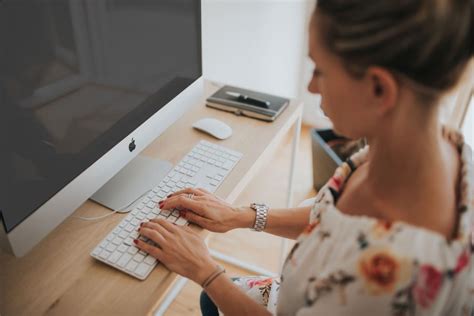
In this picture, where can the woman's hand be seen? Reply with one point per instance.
(209, 211)
(180, 249)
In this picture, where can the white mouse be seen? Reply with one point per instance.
(213, 127)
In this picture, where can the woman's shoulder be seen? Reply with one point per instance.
(410, 266)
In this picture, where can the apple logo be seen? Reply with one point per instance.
(132, 145)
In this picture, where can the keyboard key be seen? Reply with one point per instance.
(131, 265)
(227, 165)
(128, 241)
(124, 260)
(181, 222)
(129, 218)
(96, 251)
(123, 234)
(132, 250)
(151, 216)
(117, 241)
(114, 257)
(165, 213)
(122, 248)
(171, 219)
(149, 260)
(111, 247)
(129, 228)
(104, 254)
(161, 194)
(138, 257)
(143, 269)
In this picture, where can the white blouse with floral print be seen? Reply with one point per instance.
(357, 265)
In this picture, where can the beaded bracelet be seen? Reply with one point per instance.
(212, 277)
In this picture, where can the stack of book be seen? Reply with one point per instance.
(250, 103)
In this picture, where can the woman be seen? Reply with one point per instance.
(390, 233)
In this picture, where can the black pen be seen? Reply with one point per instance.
(250, 100)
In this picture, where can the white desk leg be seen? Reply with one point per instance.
(178, 286)
(172, 294)
(289, 197)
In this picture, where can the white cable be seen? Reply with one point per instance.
(121, 210)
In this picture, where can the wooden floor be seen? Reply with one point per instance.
(268, 186)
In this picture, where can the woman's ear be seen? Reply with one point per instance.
(383, 89)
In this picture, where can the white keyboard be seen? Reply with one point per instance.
(205, 166)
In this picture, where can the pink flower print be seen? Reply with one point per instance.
(427, 285)
(463, 261)
(335, 183)
(309, 228)
(259, 282)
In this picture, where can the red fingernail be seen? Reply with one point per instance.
(169, 195)
(135, 241)
(141, 224)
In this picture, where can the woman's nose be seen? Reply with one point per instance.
(313, 86)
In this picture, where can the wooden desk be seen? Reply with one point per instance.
(58, 277)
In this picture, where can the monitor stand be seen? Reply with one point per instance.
(138, 177)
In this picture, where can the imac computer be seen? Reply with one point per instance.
(85, 85)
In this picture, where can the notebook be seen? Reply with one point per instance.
(249, 103)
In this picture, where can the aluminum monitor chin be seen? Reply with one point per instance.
(84, 87)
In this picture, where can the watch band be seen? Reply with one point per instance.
(261, 211)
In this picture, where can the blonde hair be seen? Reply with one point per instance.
(426, 43)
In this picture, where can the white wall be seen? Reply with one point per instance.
(261, 45)
(255, 44)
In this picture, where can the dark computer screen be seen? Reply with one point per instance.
(76, 77)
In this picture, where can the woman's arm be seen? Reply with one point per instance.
(283, 222)
(212, 213)
(183, 251)
(231, 300)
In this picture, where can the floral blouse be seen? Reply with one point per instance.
(358, 265)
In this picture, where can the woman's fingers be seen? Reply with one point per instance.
(187, 191)
(184, 201)
(196, 219)
(155, 227)
(170, 228)
(152, 250)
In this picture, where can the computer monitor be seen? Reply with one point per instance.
(84, 87)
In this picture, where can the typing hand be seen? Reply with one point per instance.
(180, 249)
(208, 211)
